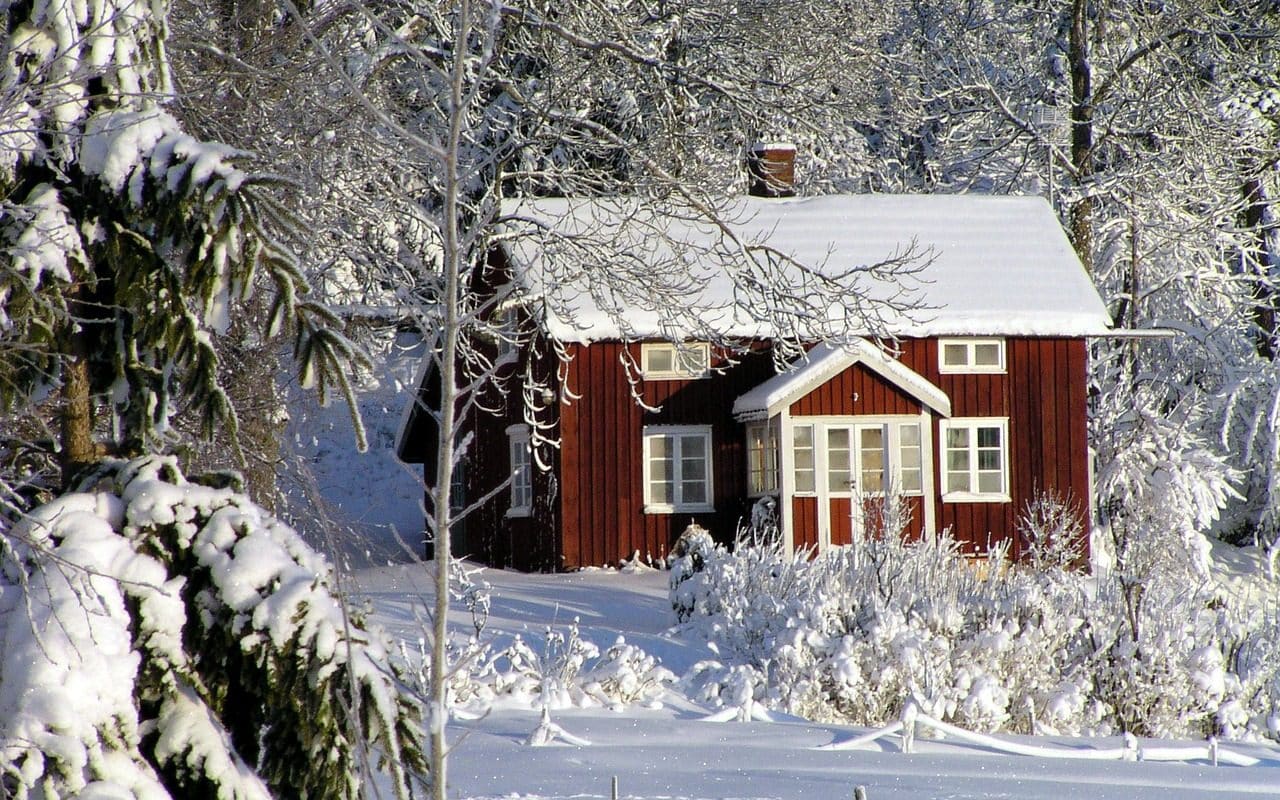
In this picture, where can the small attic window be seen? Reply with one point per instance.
(667, 360)
(971, 355)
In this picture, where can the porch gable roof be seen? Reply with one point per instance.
(822, 363)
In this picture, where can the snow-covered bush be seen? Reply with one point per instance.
(566, 671)
(854, 633)
(161, 638)
(688, 556)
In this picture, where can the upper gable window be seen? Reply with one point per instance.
(971, 355)
(666, 360)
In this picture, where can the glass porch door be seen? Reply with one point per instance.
(855, 477)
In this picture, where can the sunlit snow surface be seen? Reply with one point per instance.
(672, 752)
(373, 502)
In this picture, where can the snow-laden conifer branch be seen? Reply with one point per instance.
(153, 629)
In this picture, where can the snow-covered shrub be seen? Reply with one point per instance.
(566, 671)
(1052, 532)
(472, 592)
(161, 638)
(625, 675)
(688, 556)
(854, 633)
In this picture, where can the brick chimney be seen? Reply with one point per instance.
(771, 169)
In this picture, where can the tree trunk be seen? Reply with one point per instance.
(1081, 131)
(450, 333)
(77, 448)
(1257, 263)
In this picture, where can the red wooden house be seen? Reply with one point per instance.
(976, 408)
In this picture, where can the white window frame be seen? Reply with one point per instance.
(520, 459)
(681, 367)
(972, 424)
(768, 470)
(676, 434)
(507, 333)
(970, 367)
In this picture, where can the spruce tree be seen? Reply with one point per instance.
(126, 244)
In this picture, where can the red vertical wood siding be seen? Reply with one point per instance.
(602, 516)
(1044, 394)
(590, 510)
(804, 522)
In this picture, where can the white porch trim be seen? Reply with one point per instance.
(822, 363)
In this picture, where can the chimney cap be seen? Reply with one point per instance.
(771, 169)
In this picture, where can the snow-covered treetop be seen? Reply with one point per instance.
(126, 243)
(65, 58)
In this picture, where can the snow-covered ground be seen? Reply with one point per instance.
(371, 499)
(674, 752)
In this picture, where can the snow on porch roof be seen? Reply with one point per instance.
(822, 363)
(1002, 265)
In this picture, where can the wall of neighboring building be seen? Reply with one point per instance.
(603, 519)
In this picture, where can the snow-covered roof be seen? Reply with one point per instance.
(822, 363)
(1002, 265)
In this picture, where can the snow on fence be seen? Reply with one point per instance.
(912, 717)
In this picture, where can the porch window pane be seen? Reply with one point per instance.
(762, 460)
(802, 449)
(871, 453)
(910, 468)
(839, 472)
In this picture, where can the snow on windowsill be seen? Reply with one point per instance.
(665, 508)
(970, 497)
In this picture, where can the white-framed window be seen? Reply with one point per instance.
(521, 471)
(668, 360)
(971, 355)
(975, 460)
(762, 459)
(507, 332)
(677, 468)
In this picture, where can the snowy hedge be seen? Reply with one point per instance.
(161, 638)
(855, 632)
